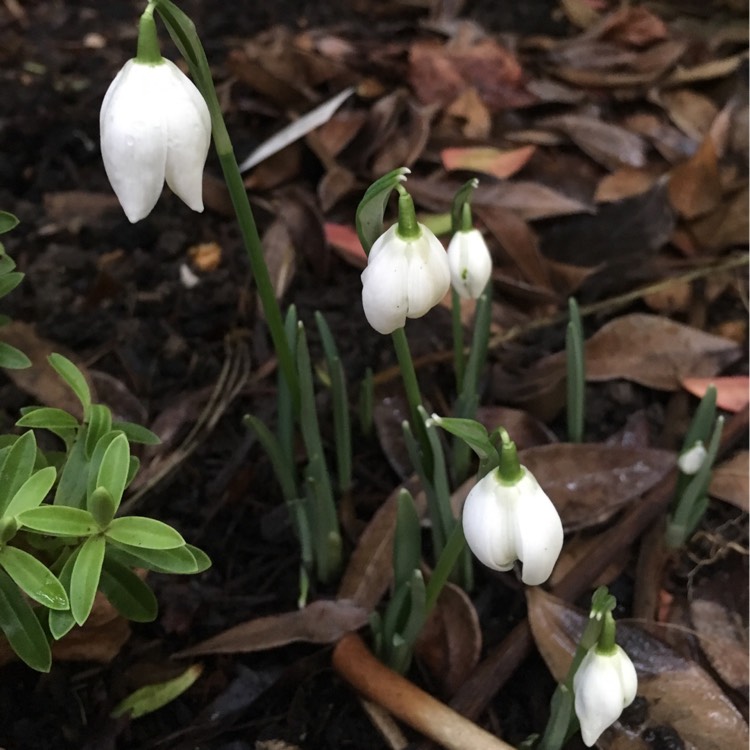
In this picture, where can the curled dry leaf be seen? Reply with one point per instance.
(500, 163)
(656, 352)
(590, 482)
(451, 640)
(731, 392)
(723, 640)
(320, 622)
(695, 185)
(624, 183)
(729, 481)
(280, 257)
(676, 698)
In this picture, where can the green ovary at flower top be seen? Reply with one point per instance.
(154, 126)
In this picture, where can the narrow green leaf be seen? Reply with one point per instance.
(470, 431)
(180, 560)
(126, 592)
(22, 628)
(84, 580)
(284, 473)
(96, 459)
(31, 493)
(48, 418)
(146, 533)
(12, 358)
(150, 698)
(407, 542)
(371, 209)
(136, 433)
(7, 264)
(9, 282)
(365, 403)
(463, 195)
(113, 469)
(99, 423)
(33, 577)
(73, 377)
(61, 620)
(102, 507)
(17, 468)
(59, 520)
(71, 489)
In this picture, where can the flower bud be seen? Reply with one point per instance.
(604, 684)
(691, 460)
(470, 263)
(405, 277)
(154, 126)
(504, 522)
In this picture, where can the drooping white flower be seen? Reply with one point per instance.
(404, 278)
(470, 263)
(504, 522)
(691, 460)
(604, 684)
(154, 126)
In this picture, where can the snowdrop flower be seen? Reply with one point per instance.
(691, 460)
(470, 263)
(154, 126)
(508, 516)
(604, 684)
(407, 273)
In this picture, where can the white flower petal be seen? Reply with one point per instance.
(384, 297)
(189, 137)
(134, 139)
(470, 263)
(539, 531)
(429, 274)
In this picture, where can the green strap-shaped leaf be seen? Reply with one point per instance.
(470, 431)
(147, 533)
(407, 543)
(136, 433)
(126, 592)
(113, 469)
(284, 473)
(21, 627)
(12, 358)
(33, 577)
(180, 560)
(84, 581)
(17, 468)
(462, 197)
(149, 698)
(31, 493)
(73, 377)
(48, 418)
(59, 520)
(371, 208)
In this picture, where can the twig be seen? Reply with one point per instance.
(492, 673)
(357, 665)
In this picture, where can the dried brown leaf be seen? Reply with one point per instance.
(590, 482)
(451, 640)
(706, 71)
(690, 111)
(729, 481)
(470, 108)
(280, 257)
(625, 183)
(525, 430)
(732, 392)
(320, 622)
(655, 352)
(695, 185)
(725, 226)
(500, 163)
(674, 693)
(723, 640)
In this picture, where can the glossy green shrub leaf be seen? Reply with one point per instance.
(73, 377)
(17, 468)
(84, 580)
(48, 418)
(126, 592)
(12, 358)
(136, 433)
(96, 459)
(148, 533)
(99, 423)
(33, 577)
(7, 222)
(149, 698)
(114, 468)
(9, 282)
(59, 520)
(22, 628)
(180, 560)
(31, 493)
(102, 507)
(61, 620)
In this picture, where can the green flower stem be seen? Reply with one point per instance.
(459, 356)
(413, 396)
(182, 31)
(408, 227)
(148, 51)
(509, 470)
(454, 546)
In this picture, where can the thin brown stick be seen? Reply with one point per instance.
(357, 665)
(492, 673)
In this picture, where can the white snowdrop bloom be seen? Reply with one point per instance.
(154, 126)
(604, 684)
(404, 278)
(504, 522)
(470, 263)
(691, 460)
